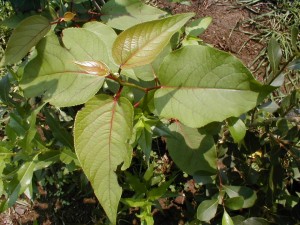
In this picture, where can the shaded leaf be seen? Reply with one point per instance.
(206, 84)
(274, 54)
(255, 221)
(237, 128)
(192, 151)
(122, 14)
(26, 35)
(234, 203)
(101, 134)
(295, 64)
(294, 37)
(141, 44)
(207, 210)
(248, 194)
(54, 74)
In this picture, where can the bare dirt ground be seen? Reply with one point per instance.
(228, 32)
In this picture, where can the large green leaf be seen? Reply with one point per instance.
(140, 44)
(54, 74)
(192, 151)
(102, 132)
(200, 84)
(207, 210)
(122, 14)
(27, 34)
(248, 194)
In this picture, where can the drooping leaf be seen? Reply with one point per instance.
(139, 45)
(274, 54)
(197, 27)
(26, 35)
(101, 135)
(93, 67)
(226, 219)
(248, 194)
(207, 210)
(54, 74)
(206, 84)
(122, 14)
(192, 151)
(237, 128)
(270, 106)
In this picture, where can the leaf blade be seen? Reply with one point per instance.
(140, 44)
(102, 145)
(26, 35)
(207, 210)
(209, 79)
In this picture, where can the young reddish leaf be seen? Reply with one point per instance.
(93, 67)
(142, 43)
(68, 16)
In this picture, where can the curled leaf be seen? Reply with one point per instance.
(93, 67)
(68, 16)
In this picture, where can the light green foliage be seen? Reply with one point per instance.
(210, 79)
(192, 151)
(138, 88)
(54, 74)
(102, 132)
(142, 43)
(28, 33)
(122, 14)
(207, 210)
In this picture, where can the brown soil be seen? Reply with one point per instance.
(227, 32)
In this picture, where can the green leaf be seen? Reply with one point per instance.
(295, 64)
(93, 67)
(149, 72)
(248, 194)
(20, 181)
(237, 129)
(274, 54)
(192, 151)
(207, 210)
(200, 84)
(54, 74)
(234, 203)
(26, 35)
(67, 156)
(197, 27)
(142, 43)
(255, 221)
(226, 220)
(102, 132)
(4, 90)
(135, 202)
(294, 37)
(122, 14)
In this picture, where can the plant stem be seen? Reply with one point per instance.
(125, 83)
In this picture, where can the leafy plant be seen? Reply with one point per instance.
(136, 85)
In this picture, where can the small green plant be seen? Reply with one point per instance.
(117, 91)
